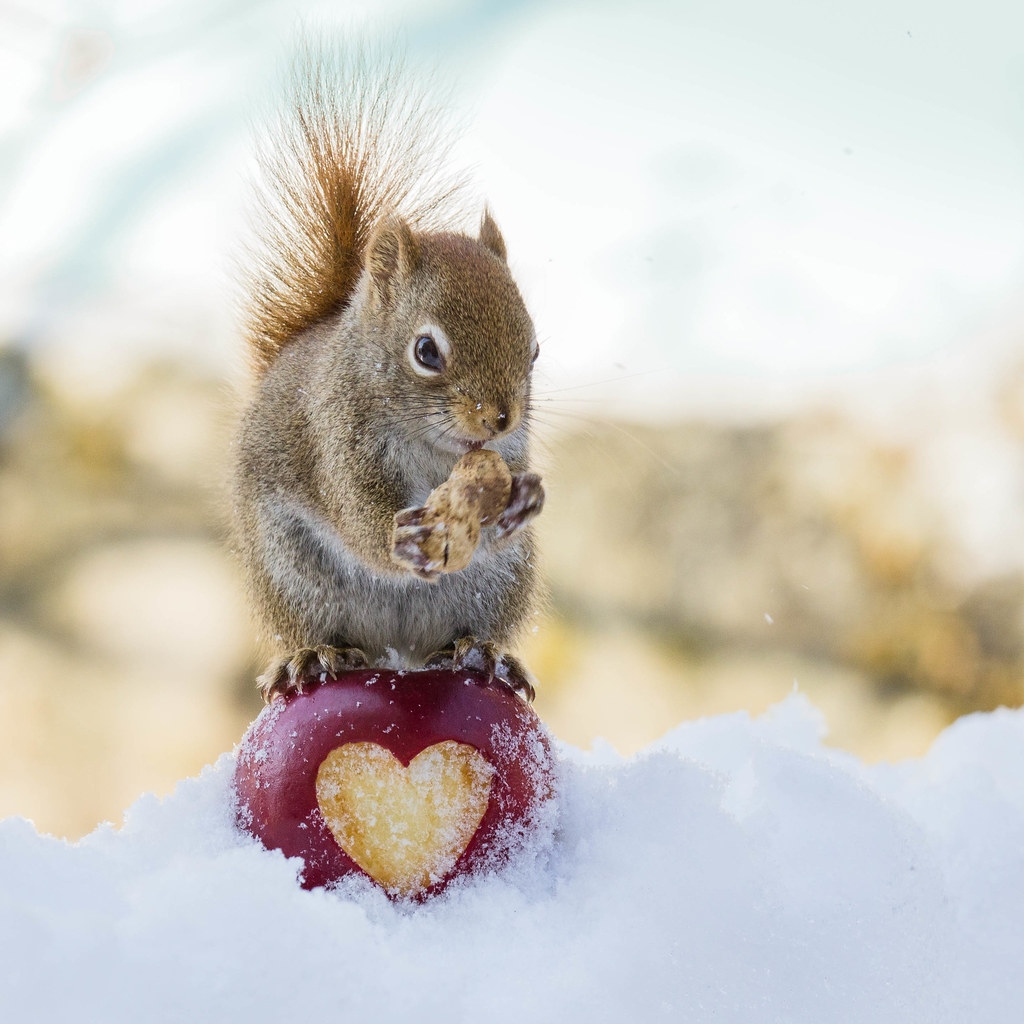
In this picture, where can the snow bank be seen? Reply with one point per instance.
(734, 871)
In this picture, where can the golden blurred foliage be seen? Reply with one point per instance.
(695, 569)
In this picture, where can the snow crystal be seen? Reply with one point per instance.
(735, 871)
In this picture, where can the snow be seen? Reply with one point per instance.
(736, 870)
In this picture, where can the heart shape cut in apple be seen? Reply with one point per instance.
(405, 826)
(411, 779)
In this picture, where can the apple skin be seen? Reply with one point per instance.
(404, 712)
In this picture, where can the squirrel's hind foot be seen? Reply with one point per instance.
(488, 658)
(290, 673)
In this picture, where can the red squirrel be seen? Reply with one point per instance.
(385, 349)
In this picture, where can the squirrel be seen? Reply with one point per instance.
(385, 348)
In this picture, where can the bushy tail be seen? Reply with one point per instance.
(356, 143)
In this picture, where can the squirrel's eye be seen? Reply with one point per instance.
(536, 352)
(427, 354)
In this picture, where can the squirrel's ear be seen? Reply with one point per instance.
(391, 255)
(491, 237)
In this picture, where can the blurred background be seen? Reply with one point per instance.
(774, 253)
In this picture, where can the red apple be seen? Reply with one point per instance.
(411, 778)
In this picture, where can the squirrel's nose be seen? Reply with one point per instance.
(492, 419)
(496, 419)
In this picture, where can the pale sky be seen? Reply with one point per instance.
(715, 200)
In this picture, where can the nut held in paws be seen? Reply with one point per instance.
(412, 779)
(443, 535)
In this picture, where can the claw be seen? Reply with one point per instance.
(290, 674)
(410, 517)
(489, 659)
(441, 659)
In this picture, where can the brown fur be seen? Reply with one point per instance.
(346, 431)
(356, 144)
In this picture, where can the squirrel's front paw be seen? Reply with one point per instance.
(525, 503)
(417, 543)
(287, 675)
(427, 543)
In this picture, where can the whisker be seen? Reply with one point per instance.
(604, 423)
(598, 383)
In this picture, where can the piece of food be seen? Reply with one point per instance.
(443, 535)
(411, 778)
(480, 485)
